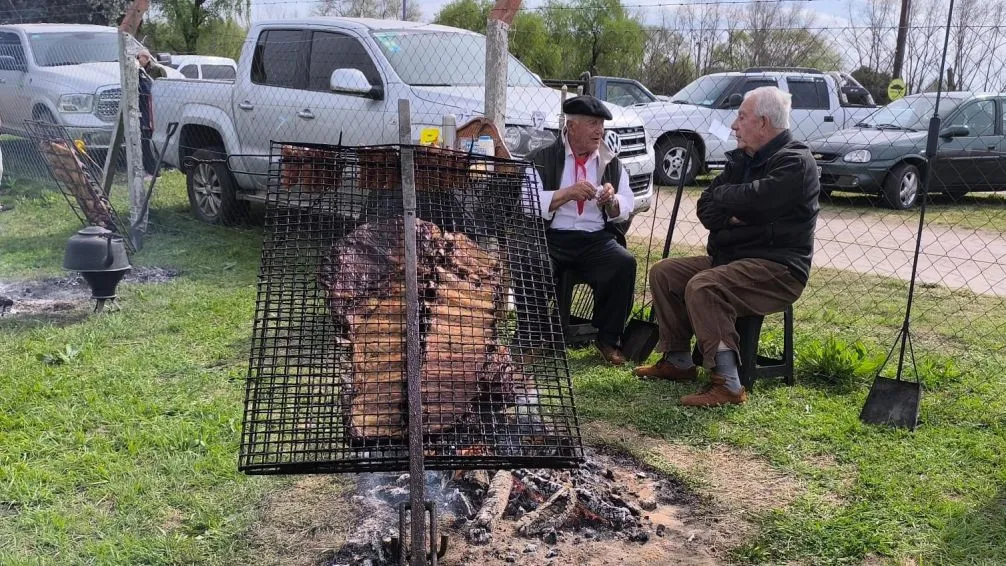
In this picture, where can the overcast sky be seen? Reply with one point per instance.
(831, 13)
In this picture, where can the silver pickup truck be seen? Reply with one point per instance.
(329, 79)
(64, 74)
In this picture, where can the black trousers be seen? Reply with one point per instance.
(149, 161)
(609, 270)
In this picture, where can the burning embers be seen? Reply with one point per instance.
(604, 512)
(466, 370)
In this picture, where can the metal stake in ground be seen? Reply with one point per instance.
(413, 352)
(896, 402)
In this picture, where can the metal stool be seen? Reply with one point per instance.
(753, 365)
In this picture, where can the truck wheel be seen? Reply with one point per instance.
(901, 188)
(212, 190)
(670, 157)
(42, 114)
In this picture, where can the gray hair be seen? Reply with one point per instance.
(772, 104)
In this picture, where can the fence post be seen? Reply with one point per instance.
(498, 59)
(129, 72)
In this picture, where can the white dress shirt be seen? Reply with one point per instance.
(567, 217)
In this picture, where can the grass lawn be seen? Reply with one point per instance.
(121, 447)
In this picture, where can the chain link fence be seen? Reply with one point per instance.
(336, 81)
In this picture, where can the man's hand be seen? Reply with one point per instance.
(581, 190)
(606, 199)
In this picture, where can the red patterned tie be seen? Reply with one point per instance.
(580, 173)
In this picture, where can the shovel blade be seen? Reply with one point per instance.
(893, 402)
(639, 339)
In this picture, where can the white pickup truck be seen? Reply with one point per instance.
(66, 74)
(703, 111)
(326, 80)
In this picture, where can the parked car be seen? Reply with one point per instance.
(885, 153)
(65, 74)
(703, 111)
(326, 80)
(616, 90)
(205, 67)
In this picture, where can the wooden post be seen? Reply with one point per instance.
(498, 59)
(129, 108)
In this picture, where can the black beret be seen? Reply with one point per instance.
(586, 105)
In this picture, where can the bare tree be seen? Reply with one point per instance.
(380, 9)
(873, 32)
(924, 43)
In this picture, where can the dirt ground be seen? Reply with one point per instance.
(309, 524)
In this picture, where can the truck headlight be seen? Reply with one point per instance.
(521, 140)
(858, 156)
(76, 103)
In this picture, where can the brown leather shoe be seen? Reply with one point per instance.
(611, 354)
(664, 369)
(714, 395)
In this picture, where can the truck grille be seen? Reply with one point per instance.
(633, 141)
(639, 183)
(108, 104)
(823, 157)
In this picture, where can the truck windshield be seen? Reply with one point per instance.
(74, 48)
(703, 91)
(909, 113)
(437, 58)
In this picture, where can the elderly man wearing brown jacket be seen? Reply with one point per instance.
(761, 214)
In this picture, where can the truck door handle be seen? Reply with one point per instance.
(306, 114)
(246, 105)
(829, 118)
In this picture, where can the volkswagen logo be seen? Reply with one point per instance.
(613, 142)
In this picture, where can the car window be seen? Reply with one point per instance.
(219, 72)
(626, 94)
(278, 57)
(979, 117)
(189, 71)
(808, 94)
(331, 51)
(1002, 125)
(10, 46)
(750, 84)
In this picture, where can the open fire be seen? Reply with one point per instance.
(528, 516)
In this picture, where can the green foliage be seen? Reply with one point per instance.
(60, 357)
(197, 27)
(874, 81)
(837, 363)
(465, 14)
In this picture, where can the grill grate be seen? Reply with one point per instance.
(327, 386)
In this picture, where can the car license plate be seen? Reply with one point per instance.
(819, 170)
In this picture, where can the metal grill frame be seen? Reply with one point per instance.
(90, 173)
(300, 227)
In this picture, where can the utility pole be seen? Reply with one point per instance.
(899, 52)
(404, 10)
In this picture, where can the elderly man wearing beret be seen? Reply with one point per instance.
(584, 192)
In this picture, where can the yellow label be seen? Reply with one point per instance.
(896, 89)
(429, 136)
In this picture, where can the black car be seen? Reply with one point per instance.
(885, 153)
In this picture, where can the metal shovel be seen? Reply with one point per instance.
(640, 336)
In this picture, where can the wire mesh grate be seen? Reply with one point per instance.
(327, 382)
(78, 177)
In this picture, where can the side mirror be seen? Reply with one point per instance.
(353, 82)
(951, 132)
(164, 59)
(8, 63)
